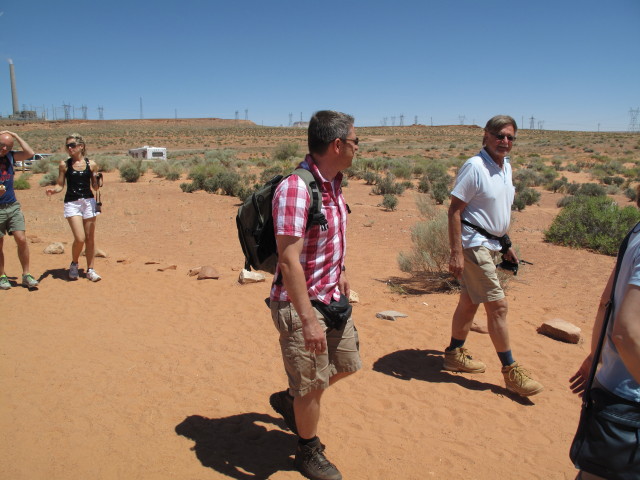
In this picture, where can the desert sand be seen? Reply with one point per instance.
(154, 374)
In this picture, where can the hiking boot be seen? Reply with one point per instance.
(282, 403)
(519, 380)
(459, 360)
(28, 281)
(73, 271)
(93, 276)
(5, 284)
(311, 462)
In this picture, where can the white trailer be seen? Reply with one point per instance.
(149, 153)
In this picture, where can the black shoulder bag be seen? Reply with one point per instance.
(607, 442)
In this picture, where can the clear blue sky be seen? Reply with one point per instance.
(570, 64)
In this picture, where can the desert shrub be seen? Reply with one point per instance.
(613, 180)
(285, 151)
(174, 173)
(631, 194)
(556, 185)
(188, 187)
(42, 166)
(594, 223)
(22, 182)
(572, 167)
(268, 173)
(51, 177)
(130, 170)
(161, 169)
(388, 185)
(525, 196)
(370, 178)
(106, 163)
(390, 202)
(440, 191)
(402, 170)
(572, 188)
(430, 250)
(227, 182)
(591, 190)
(564, 201)
(527, 178)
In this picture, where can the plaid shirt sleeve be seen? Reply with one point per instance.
(290, 207)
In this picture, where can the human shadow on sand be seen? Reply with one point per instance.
(240, 446)
(426, 365)
(58, 274)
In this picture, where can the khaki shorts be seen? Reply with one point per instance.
(479, 277)
(311, 371)
(11, 219)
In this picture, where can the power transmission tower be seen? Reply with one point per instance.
(84, 112)
(540, 124)
(462, 119)
(236, 116)
(384, 121)
(393, 121)
(532, 123)
(246, 114)
(290, 119)
(141, 112)
(100, 113)
(633, 120)
(402, 119)
(67, 112)
(415, 120)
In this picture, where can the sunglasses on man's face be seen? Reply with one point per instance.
(72, 145)
(354, 140)
(502, 136)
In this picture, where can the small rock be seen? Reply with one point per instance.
(169, 267)
(562, 330)
(354, 297)
(208, 272)
(250, 277)
(101, 253)
(390, 315)
(55, 248)
(194, 271)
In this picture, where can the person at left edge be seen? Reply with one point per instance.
(11, 216)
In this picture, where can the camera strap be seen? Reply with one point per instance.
(481, 230)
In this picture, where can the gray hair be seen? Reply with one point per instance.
(497, 123)
(325, 126)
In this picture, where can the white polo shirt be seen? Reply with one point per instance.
(488, 192)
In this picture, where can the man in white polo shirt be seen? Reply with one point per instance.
(479, 218)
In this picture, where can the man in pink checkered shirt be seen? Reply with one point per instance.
(316, 351)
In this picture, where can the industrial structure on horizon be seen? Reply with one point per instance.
(27, 115)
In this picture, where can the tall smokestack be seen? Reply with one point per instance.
(14, 91)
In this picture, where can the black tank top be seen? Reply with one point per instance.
(78, 182)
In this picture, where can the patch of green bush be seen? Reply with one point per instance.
(22, 182)
(131, 170)
(525, 196)
(390, 202)
(592, 222)
(388, 185)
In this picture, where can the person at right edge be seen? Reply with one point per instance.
(612, 450)
(481, 202)
(317, 351)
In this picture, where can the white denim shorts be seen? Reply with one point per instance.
(84, 207)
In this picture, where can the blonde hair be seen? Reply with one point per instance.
(79, 140)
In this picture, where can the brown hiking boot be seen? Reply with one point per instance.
(519, 380)
(311, 462)
(282, 403)
(459, 360)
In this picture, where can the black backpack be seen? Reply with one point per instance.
(255, 223)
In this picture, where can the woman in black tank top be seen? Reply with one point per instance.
(80, 176)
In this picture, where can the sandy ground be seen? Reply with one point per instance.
(157, 375)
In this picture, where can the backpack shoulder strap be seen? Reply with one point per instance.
(315, 217)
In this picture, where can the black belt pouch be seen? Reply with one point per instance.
(336, 313)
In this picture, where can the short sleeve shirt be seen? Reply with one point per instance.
(613, 375)
(323, 249)
(488, 192)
